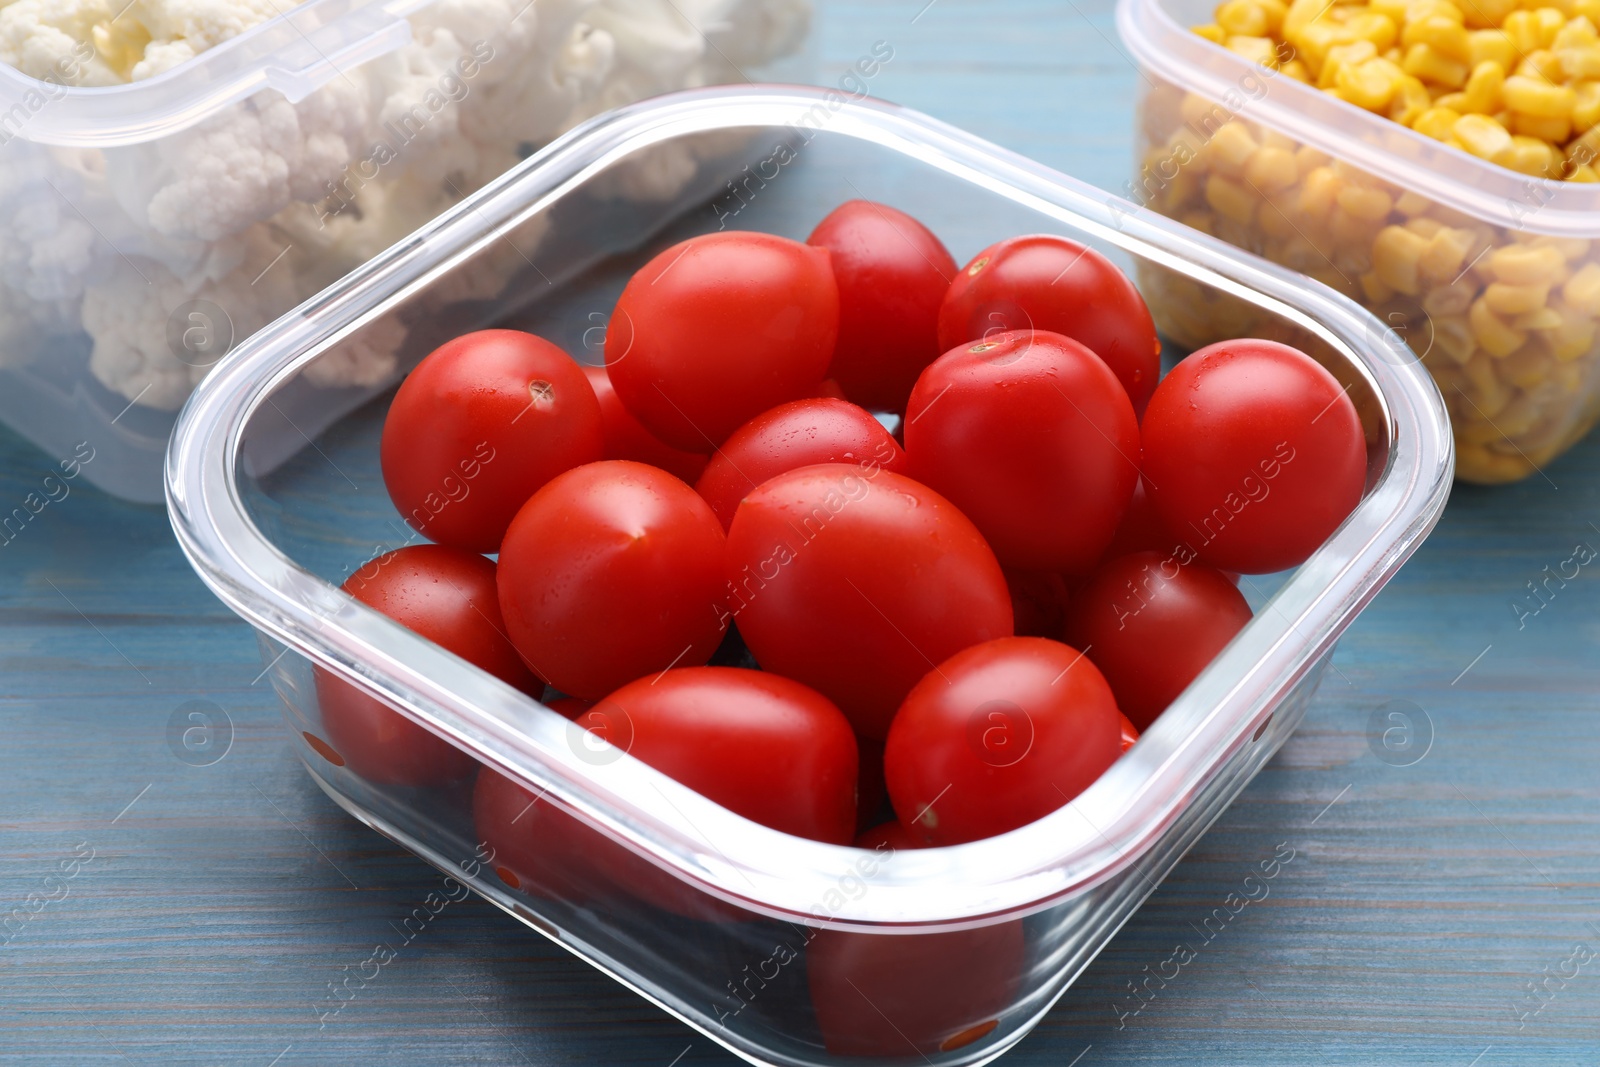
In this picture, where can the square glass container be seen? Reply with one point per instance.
(1489, 277)
(147, 227)
(785, 951)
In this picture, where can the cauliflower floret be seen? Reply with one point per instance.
(156, 335)
(366, 359)
(48, 40)
(179, 30)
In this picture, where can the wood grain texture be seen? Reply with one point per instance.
(221, 901)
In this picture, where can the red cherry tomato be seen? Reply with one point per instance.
(478, 427)
(892, 274)
(718, 329)
(1031, 436)
(1038, 602)
(1044, 282)
(627, 439)
(1142, 529)
(611, 572)
(1151, 624)
(905, 995)
(447, 596)
(796, 434)
(1130, 733)
(831, 390)
(997, 736)
(535, 846)
(889, 837)
(569, 707)
(857, 583)
(1253, 454)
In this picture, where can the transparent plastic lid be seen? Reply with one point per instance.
(1085, 842)
(1158, 34)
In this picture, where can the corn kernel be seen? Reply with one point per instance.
(1395, 256)
(1531, 97)
(1449, 301)
(1582, 290)
(1424, 227)
(1212, 32)
(1589, 9)
(1446, 252)
(1230, 149)
(1482, 136)
(1505, 299)
(1271, 169)
(1493, 335)
(1296, 70)
(1540, 318)
(1230, 199)
(1318, 192)
(1482, 94)
(1583, 173)
(1411, 203)
(1492, 46)
(1423, 61)
(1454, 338)
(1524, 368)
(1541, 65)
(1376, 290)
(1243, 18)
(1445, 36)
(1341, 55)
(1370, 85)
(1456, 101)
(1368, 204)
(1484, 13)
(1526, 265)
(1574, 337)
(1259, 50)
(1531, 156)
(1523, 29)
(1276, 225)
(1555, 130)
(1438, 123)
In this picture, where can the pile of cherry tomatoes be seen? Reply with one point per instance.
(841, 519)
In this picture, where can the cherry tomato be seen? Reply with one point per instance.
(997, 736)
(611, 572)
(1253, 454)
(1031, 436)
(796, 434)
(627, 439)
(1151, 624)
(718, 329)
(1142, 528)
(569, 707)
(830, 390)
(892, 274)
(911, 995)
(1045, 282)
(857, 583)
(478, 427)
(447, 596)
(1038, 602)
(888, 837)
(536, 846)
(1130, 733)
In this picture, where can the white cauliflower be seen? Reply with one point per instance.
(120, 238)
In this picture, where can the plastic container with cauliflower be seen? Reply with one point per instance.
(175, 174)
(1491, 277)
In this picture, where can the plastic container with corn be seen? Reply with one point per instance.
(1437, 162)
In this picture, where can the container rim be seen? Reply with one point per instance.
(1086, 842)
(304, 47)
(1371, 142)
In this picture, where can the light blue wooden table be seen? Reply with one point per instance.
(208, 908)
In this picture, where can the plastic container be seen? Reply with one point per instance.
(147, 227)
(1416, 231)
(745, 933)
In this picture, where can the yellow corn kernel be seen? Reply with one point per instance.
(1504, 299)
(1417, 10)
(1259, 50)
(1422, 61)
(1584, 148)
(1492, 46)
(1449, 301)
(1367, 204)
(1394, 10)
(1574, 337)
(1302, 13)
(1271, 169)
(1204, 221)
(1276, 225)
(1589, 9)
(1582, 290)
(1318, 192)
(1578, 63)
(1445, 36)
(1481, 14)
(1376, 290)
(1424, 227)
(1308, 159)
(1411, 203)
(1353, 237)
(1231, 200)
(1550, 21)
(1554, 130)
(1447, 250)
(1531, 97)
(1482, 136)
(1493, 335)
(1525, 369)
(1585, 106)
(1541, 65)
(1410, 101)
(1212, 32)
(1230, 149)
(1454, 338)
(1531, 156)
(1577, 32)
(1296, 70)
(1370, 85)
(1376, 27)
(1526, 265)
(1583, 173)
(1438, 123)
(1456, 101)
(1243, 18)
(1482, 94)
(1540, 318)
(1395, 254)
(1341, 55)
(1523, 29)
